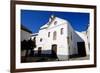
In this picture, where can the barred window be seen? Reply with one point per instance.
(71, 35)
(48, 34)
(61, 31)
(54, 35)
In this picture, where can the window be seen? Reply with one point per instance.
(68, 40)
(54, 35)
(55, 22)
(40, 39)
(69, 47)
(87, 37)
(61, 31)
(48, 34)
(71, 35)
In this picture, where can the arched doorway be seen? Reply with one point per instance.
(54, 50)
(39, 51)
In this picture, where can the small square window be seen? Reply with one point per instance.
(41, 40)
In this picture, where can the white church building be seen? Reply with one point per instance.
(58, 38)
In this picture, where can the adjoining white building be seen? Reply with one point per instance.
(58, 38)
(25, 35)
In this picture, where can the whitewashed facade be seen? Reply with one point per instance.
(58, 36)
(25, 35)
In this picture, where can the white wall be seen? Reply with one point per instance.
(57, 28)
(83, 35)
(68, 39)
(47, 42)
(73, 37)
(5, 37)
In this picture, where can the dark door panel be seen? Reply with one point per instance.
(54, 50)
(39, 51)
(81, 49)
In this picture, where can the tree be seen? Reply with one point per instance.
(23, 45)
(32, 46)
(28, 45)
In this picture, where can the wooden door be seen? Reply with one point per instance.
(39, 51)
(81, 49)
(54, 50)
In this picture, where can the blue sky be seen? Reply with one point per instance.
(33, 19)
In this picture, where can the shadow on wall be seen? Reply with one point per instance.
(76, 44)
(80, 45)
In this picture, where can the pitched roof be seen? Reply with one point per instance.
(51, 19)
(44, 26)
